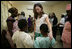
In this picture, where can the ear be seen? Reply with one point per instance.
(41, 31)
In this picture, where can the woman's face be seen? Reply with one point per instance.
(51, 15)
(15, 13)
(38, 9)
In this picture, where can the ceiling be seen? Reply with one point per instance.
(48, 3)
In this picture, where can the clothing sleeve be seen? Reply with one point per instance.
(63, 34)
(53, 42)
(10, 40)
(55, 21)
(13, 38)
(28, 42)
(66, 33)
(45, 16)
(36, 44)
(62, 21)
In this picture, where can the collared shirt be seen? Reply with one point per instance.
(22, 40)
(40, 21)
(44, 42)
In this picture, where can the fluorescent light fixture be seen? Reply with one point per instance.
(38, 1)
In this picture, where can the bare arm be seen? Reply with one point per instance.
(49, 24)
(34, 27)
(10, 40)
(50, 27)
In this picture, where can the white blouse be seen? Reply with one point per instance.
(40, 21)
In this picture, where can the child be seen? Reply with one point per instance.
(45, 41)
(21, 38)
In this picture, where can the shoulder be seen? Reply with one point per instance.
(15, 33)
(45, 15)
(38, 38)
(27, 35)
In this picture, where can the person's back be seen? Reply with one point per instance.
(44, 42)
(22, 40)
(4, 41)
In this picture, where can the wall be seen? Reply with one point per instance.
(5, 5)
(4, 13)
(30, 12)
(58, 8)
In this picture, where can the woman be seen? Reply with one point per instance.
(6, 38)
(53, 20)
(40, 17)
(66, 35)
(14, 13)
(6, 41)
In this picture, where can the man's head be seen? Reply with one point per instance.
(62, 16)
(44, 29)
(22, 13)
(22, 24)
(29, 16)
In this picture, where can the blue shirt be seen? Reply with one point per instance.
(44, 42)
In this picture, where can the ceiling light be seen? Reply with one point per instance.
(38, 1)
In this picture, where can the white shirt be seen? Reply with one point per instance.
(40, 21)
(21, 17)
(62, 21)
(51, 20)
(22, 40)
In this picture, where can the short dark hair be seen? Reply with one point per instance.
(22, 23)
(44, 28)
(29, 15)
(62, 16)
(12, 10)
(23, 13)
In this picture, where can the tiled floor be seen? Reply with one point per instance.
(58, 43)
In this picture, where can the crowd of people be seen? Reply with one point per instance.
(44, 27)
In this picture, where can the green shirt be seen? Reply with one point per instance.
(44, 42)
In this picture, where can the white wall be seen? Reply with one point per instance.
(5, 5)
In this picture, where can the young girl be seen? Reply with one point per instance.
(40, 17)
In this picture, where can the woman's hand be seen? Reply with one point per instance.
(50, 35)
